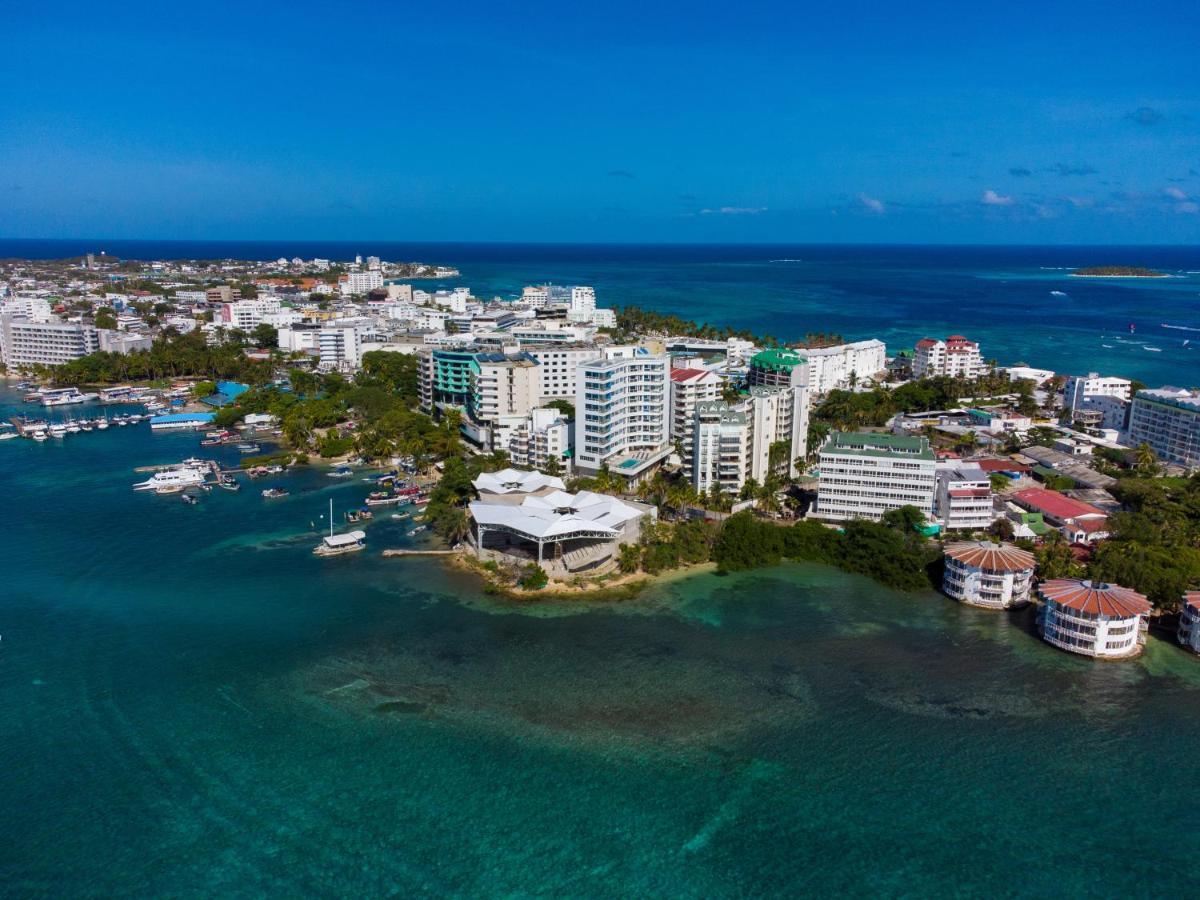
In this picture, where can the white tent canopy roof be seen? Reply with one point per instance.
(514, 481)
(557, 515)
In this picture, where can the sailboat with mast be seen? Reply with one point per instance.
(339, 544)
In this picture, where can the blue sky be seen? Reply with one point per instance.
(1068, 122)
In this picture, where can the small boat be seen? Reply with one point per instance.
(274, 469)
(210, 442)
(8, 435)
(73, 428)
(189, 500)
(248, 448)
(340, 472)
(401, 516)
(102, 423)
(39, 435)
(272, 493)
(340, 544)
(229, 483)
(381, 500)
(417, 530)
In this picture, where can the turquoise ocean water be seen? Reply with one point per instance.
(193, 705)
(1020, 303)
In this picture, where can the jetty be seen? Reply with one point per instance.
(419, 552)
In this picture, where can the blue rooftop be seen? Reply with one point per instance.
(184, 417)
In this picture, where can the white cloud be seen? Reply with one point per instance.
(874, 204)
(1176, 193)
(734, 211)
(991, 198)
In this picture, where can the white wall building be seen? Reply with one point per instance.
(831, 368)
(994, 576)
(778, 417)
(340, 347)
(360, 282)
(863, 476)
(558, 369)
(25, 343)
(720, 447)
(955, 357)
(622, 413)
(963, 498)
(1093, 619)
(1105, 395)
(546, 434)
(1168, 419)
(246, 314)
(690, 387)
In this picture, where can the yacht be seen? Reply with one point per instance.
(39, 435)
(171, 480)
(64, 397)
(57, 430)
(102, 423)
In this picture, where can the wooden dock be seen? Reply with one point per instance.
(419, 552)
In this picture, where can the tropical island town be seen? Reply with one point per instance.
(557, 446)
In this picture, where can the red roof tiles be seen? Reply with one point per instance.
(1097, 599)
(994, 557)
(1054, 504)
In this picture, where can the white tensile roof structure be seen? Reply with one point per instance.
(556, 516)
(515, 481)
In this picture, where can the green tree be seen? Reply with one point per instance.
(265, 336)
(533, 577)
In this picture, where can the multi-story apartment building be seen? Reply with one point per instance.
(340, 347)
(360, 282)
(544, 435)
(720, 447)
(504, 391)
(963, 498)
(558, 367)
(779, 426)
(955, 357)
(864, 476)
(1168, 419)
(622, 414)
(583, 299)
(1098, 401)
(24, 343)
(831, 368)
(222, 293)
(690, 387)
(777, 368)
(246, 314)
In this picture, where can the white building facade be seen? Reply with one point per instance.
(863, 476)
(1168, 419)
(622, 407)
(831, 368)
(1093, 618)
(963, 499)
(1105, 396)
(993, 576)
(955, 357)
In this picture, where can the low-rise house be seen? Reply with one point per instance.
(1079, 522)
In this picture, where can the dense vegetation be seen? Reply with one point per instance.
(892, 552)
(172, 356)
(633, 321)
(1155, 545)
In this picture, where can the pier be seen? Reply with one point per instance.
(419, 552)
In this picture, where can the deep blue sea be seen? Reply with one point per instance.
(1019, 302)
(192, 705)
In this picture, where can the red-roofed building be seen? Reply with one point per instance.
(955, 356)
(1079, 522)
(1003, 467)
(689, 387)
(1093, 618)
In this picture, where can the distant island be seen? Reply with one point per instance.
(1117, 272)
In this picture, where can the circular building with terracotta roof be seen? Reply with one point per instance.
(994, 576)
(1093, 618)
(1189, 621)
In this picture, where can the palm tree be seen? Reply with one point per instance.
(454, 525)
(1144, 458)
(768, 498)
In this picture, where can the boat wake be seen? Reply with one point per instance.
(1179, 327)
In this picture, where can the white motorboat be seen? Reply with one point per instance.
(172, 480)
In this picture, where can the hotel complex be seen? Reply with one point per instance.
(863, 476)
(1168, 420)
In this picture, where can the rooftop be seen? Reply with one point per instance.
(874, 444)
(777, 360)
(1056, 505)
(1095, 598)
(558, 515)
(994, 557)
(511, 481)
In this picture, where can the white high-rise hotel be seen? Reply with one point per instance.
(622, 411)
(864, 476)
